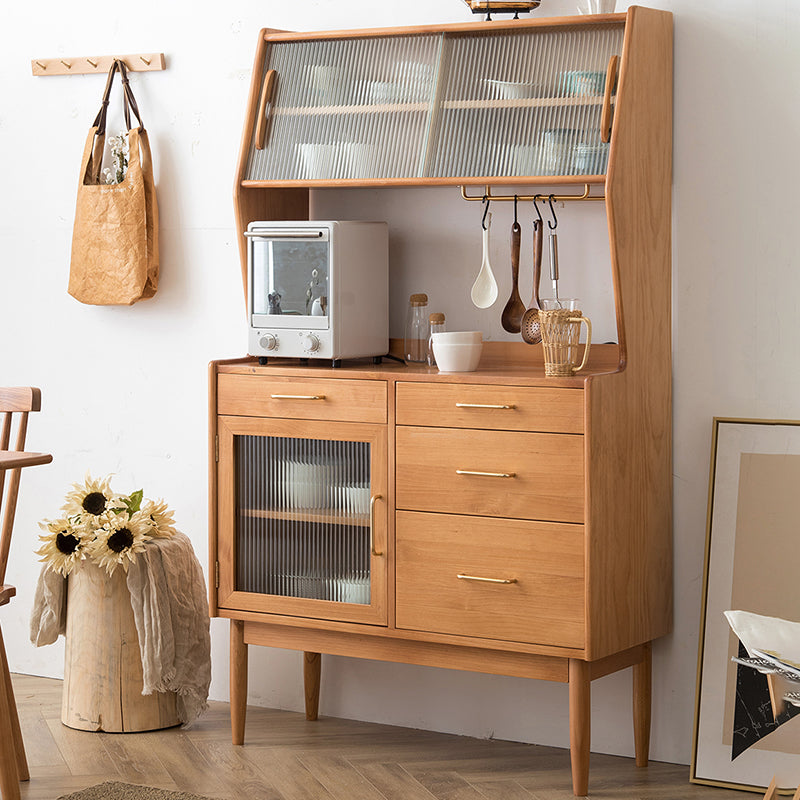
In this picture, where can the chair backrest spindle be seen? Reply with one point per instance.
(14, 402)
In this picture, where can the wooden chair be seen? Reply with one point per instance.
(772, 791)
(15, 404)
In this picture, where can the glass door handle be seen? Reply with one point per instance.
(262, 121)
(372, 502)
(606, 117)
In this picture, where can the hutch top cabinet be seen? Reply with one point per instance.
(499, 521)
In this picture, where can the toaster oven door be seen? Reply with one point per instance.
(289, 277)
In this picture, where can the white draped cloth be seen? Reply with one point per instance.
(773, 636)
(168, 599)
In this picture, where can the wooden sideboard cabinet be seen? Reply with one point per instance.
(499, 521)
(501, 526)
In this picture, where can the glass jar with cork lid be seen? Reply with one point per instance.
(415, 345)
(436, 323)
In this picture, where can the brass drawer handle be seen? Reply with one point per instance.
(298, 396)
(485, 580)
(487, 474)
(372, 501)
(483, 405)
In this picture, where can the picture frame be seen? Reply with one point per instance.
(752, 543)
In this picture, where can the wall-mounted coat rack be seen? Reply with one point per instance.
(85, 65)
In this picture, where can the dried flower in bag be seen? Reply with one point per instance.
(119, 149)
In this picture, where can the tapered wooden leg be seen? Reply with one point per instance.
(642, 684)
(9, 778)
(312, 672)
(580, 724)
(772, 789)
(16, 733)
(238, 681)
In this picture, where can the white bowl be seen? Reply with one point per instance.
(320, 161)
(457, 357)
(459, 337)
(511, 90)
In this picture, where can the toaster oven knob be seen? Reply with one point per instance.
(269, 341)
(309, 342)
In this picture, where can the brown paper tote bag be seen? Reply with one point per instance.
(115, 238)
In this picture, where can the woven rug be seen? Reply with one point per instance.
(113, 790)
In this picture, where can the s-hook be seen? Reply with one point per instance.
(485, 212)
(554, 224)
(540, 221)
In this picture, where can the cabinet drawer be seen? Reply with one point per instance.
(301, 398)
(542, 604)
(510, 408)
(544, 473)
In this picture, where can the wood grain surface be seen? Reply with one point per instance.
(287, 757)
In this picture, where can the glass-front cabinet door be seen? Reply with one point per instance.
(515, 101)
(303, 518)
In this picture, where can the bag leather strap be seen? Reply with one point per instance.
(129, 98)
(129, 101)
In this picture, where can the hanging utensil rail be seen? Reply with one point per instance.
(557, 198)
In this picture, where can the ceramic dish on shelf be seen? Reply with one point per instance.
(377, 92)
(413, 80)
(590, 159)
(583, 82)
(319, 161)
(512, 90)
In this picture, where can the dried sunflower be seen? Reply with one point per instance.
(90, 501)
(159, 518)
(63, 546)
(118, 541)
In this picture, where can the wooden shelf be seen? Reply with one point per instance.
(376, 108)
(316, 517)
(477, 180)
(423, 107)
(527, 102)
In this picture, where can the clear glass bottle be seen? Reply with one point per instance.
(415, 346)
(436, 321)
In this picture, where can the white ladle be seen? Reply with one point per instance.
(484, 290)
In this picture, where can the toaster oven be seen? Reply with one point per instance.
(318, 289)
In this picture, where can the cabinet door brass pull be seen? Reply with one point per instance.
(298, 396)
(485, 580)
(262, 120)
(483, 405)
(606, 116)
(486, 474)
(372, 501)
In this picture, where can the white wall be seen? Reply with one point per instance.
(125, 388)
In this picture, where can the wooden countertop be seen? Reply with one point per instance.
(501, 363)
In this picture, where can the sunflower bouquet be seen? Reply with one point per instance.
(109, 529)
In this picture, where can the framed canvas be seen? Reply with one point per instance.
(751, 564)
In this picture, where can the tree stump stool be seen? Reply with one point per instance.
(103, 665)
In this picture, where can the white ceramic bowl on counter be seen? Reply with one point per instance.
(457, 351)
(459, 337)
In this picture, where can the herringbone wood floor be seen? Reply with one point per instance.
(287, 758)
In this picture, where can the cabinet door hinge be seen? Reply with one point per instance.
(216, 574)
(216, 448)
